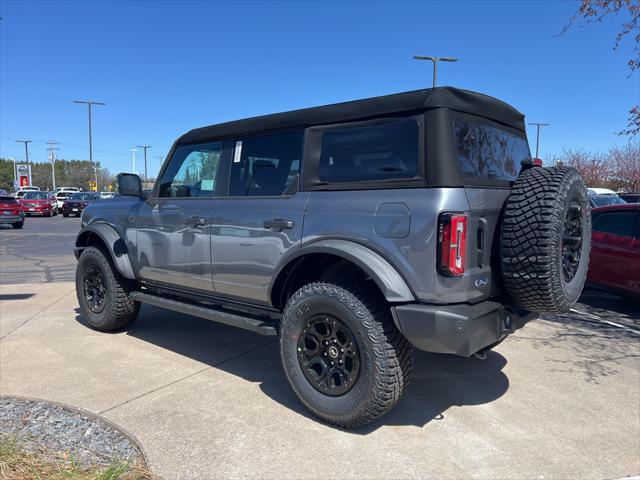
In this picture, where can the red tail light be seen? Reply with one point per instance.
(452, 244)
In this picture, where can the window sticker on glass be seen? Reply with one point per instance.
(238, 152)
(206, 185)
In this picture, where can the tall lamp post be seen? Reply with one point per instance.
(89, 103)
(538, 125)
(26, 148)
(435, 61)
(144, 147)
(133, 160)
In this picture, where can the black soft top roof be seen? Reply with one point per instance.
(440, 97)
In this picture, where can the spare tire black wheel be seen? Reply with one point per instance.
(546, 239)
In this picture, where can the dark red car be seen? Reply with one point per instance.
(39, 203)
(77, 202)
(615, 248)
(11, 211)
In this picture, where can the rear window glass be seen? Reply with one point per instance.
(386, 151)
(489, 152)
(8, 200)
(616, 223)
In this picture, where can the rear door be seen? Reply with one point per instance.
(174, 224)
(260, 218)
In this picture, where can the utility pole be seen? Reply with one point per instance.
(52, 158)
(89, 103)
(144, 147)
(538, 125)
(435, 61)
(26, 148)
(161, 157)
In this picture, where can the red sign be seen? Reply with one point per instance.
(24, 180)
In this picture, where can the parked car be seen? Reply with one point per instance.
(354, 231)
(61, 197)
(11, 211)
(105, 195)
(630, 197)
(23, 190)
(615, 249)
(600, 191)
(77, 202)
(606, 199)
(3, 192)
(39, 203)
(66, 189)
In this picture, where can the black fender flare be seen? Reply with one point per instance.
(113, 241)
(389, 281)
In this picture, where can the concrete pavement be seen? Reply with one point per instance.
(560, 399)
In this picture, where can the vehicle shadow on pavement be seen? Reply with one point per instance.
(15, 296)
(439, 381)
(602, 332)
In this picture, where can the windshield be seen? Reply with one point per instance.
(7, 200)
(602, 200)
(35, 196)
(83, 196)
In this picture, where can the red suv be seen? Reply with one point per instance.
(615, 248)
(11, 211)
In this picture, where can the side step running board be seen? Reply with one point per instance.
(248, 322)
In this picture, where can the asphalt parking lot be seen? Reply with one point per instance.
(558, 399)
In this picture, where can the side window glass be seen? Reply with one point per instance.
(386, 151)
(192, 171)
(616, 223)
(488, 152)
(265, 165)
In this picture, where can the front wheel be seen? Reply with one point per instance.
(342, 354)
(103, 294)
(18, 225)
(65, 214)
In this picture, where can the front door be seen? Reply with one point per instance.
(174, 224)
(260, 219)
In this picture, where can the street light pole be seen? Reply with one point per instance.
(89, 103)
(144, 147)
(435, 61)
(52, 158)
(538, 125)
(26, 148)
(133, 160)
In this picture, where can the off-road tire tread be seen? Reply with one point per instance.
(529, 238)
(122, 310)
(393, 354)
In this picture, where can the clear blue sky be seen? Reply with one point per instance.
(166, 67)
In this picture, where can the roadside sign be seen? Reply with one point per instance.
(24, 175)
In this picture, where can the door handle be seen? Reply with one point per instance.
(195, 221)
(278, 224)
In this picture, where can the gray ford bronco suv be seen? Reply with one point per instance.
(354, 231)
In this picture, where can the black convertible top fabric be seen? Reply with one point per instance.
(440, 97)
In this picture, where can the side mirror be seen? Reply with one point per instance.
(129, 185)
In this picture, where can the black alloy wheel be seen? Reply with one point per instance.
(94, 289)
(571, 241)
(328, 355)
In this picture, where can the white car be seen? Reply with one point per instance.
(600, 191)
(61, 196)
(104, 195)
(22, 190)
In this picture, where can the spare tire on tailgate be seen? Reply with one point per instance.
(545, 239)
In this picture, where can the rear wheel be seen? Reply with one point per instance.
(546, 239)
(103, 294)
(342, 354)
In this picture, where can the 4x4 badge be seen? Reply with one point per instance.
(481, 282)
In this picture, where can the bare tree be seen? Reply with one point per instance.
(591, 11)
(626, 166)
(594, 168)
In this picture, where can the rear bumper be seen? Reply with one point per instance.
(11, 218)
(460, 329)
